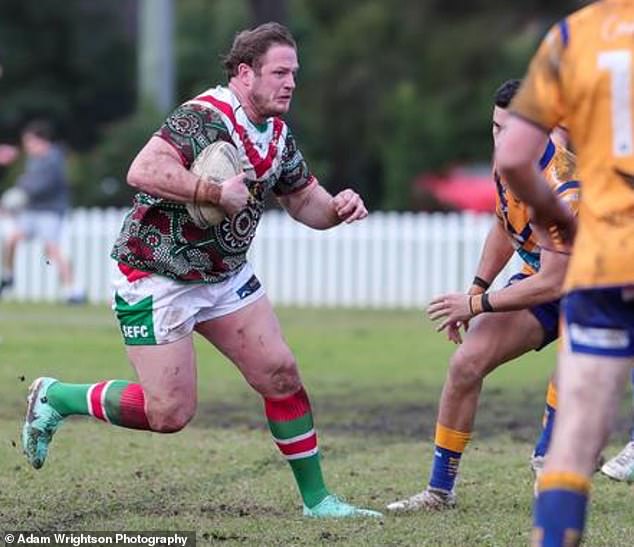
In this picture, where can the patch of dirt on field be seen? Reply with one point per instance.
(400, 414)
(215, 536)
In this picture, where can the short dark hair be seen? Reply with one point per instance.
(505, 93)
(249, 46)
(40, 128)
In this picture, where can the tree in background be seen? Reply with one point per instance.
(71, 62)
(387, 88)
(391, 89)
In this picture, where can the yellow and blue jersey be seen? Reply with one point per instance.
(558, 167)
(583, 74)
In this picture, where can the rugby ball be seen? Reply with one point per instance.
(14, 199)
(215, 164)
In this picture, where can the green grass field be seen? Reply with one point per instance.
(374, 380)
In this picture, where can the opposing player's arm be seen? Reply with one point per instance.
(544, 286)
(522, 143)
(315, 207)
(496, 252)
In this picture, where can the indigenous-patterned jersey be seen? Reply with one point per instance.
(558, 167)
(159, 236)
(582, 73)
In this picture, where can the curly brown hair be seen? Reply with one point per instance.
(249, 46)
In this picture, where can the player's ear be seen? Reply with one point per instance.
(245, 74)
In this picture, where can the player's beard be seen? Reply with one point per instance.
(266, 106)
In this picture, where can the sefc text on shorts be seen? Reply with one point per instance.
(157, 310)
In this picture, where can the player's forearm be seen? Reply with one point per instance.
(157, 170)
(516, 161)
(313, 207)
(496, 252)
(544, 286)
(529, 292)
(529, 185)
(162, 177)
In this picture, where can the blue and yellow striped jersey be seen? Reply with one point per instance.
(558, 166)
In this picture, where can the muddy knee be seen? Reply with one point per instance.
(170, 415)
(277, 377)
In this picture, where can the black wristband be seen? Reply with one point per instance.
(486, 305)
(478, 281)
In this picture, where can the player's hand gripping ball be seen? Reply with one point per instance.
(214, 165)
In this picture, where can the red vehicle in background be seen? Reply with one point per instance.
(460, 188)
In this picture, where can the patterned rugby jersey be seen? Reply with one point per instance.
(159, 236)
(558, 167)
(582, 74)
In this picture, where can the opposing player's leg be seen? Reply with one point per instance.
(595, 359)
(492, 340)
(251, 338)
(589, 390)
(621, 467)
(548, 421)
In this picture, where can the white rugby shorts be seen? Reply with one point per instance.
(157, 310)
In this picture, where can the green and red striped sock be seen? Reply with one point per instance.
(118, 402)
(291, 423)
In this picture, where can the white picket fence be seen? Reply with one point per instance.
(390, 260)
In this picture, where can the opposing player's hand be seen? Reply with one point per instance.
(8, 154)
(234, 194)
(453, 332)
(349, 206)
(449, 309)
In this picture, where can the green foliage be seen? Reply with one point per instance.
(395, 89)
(387, 89)
(70, 62)
(99, 177)
(204, 31)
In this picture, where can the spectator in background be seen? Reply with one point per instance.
(8, 153)
(39, 200)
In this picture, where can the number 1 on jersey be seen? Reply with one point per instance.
(619, 64)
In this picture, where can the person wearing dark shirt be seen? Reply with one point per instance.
(44, 199)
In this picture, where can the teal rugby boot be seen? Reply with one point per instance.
(331, 507)
(41, 422)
